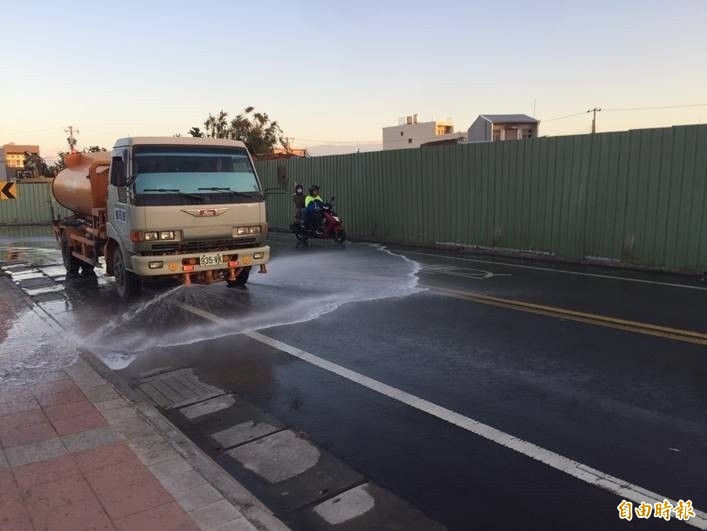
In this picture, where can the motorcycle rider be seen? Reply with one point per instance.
(298, 199)
(312, 205)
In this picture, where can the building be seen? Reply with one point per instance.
(494, 127)
(12, 161)
(410, 133)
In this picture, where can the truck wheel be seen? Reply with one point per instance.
(127, 283)
(241, 279)
(71, 263)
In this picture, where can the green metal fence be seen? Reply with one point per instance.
(34, 205)
(636, 197)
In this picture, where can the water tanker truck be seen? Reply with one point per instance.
(189, 208)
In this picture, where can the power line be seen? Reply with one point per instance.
(114, 133)
(619, 109)
(658, 108)
(563, 117)
(33, 131)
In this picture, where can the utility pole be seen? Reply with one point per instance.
(594, 112)
(288, 141)
(71, 140)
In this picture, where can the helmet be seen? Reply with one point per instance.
(313, 188)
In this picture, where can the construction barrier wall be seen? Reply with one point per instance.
(34, 205)
(636, 197)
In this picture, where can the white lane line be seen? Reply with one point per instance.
(590, 475)
(551, 270)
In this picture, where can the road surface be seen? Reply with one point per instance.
(452, 390)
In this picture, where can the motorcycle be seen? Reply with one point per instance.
(331, 227)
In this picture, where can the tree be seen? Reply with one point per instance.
(217, 126)
(59, 164)
(92, 149)
(259, 133)
(35, 164)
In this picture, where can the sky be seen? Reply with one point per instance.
(334, 73)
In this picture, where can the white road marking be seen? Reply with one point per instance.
(551, 270)
(590, 475)
(548, 269)
(466, 272)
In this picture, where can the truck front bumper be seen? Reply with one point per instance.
(176, 264)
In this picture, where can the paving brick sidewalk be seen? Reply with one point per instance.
(75, 455)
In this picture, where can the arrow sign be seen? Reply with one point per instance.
(8, 190)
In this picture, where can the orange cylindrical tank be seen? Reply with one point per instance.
(83, 185)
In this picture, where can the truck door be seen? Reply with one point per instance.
(118, 206)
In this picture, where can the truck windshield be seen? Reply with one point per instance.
(193, 174)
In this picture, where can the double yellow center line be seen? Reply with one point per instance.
(665, 332)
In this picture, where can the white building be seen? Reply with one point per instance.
(410, 133)
(499, 127)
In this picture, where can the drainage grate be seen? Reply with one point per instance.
(178, 389)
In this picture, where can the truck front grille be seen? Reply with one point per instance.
(187, 247)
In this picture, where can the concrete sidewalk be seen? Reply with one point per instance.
(76, 454)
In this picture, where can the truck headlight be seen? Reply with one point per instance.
(244, 231)
(137, 236)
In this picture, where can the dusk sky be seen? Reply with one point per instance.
(336, 72)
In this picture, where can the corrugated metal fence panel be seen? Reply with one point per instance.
(636, 197)
(34, 205)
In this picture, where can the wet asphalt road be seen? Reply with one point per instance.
(628, 403)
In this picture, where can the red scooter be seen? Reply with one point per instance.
(331, 227)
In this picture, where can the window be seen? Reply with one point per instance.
(174, 174)
(409, 140)
(117, 172)
(401, 133)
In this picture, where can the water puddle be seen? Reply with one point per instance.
(29, 244)
(30, 350)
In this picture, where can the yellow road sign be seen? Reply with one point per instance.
(8, 190)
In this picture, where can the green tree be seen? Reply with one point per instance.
(36, 164)
(93, 149)
(59, 164)
(259, 133)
